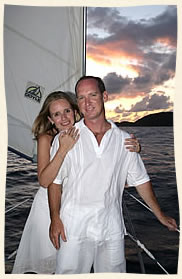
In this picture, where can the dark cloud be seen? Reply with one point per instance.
(151, 103)
(154, 73)
(138, 33)
(150, 76)
(115, 83)
(170, 62)
(136, 39)
(143, 79)
(101, 17)
(167, 70)
(140, 106)
(119, 109)
(127, 87)
(165, 25)
(126, 114)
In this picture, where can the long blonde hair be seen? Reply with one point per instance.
(41, 123)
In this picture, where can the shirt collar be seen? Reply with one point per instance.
(81, 124)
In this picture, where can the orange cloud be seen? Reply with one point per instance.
(112, 50)
(167, 41)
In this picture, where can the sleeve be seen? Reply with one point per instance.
(137, 173)
(62, 174)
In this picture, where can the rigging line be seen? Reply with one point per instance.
(83, 67)
(8, 210)
(139, 201)
(74, 28)
(19, 121)
(141, 245)
(66, 81)
(18, 93)
(14, 252)
(12, 255)
(6, 26)
(133, 231)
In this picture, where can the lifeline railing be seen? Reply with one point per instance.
(133, 237)
(143, 204)
(137, 241)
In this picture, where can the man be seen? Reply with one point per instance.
(86, 212)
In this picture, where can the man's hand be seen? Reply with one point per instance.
(56, 229)
(145, 190)
(169, 222)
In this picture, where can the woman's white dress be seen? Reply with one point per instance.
(36, 252)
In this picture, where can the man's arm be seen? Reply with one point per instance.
(146, 192)
(56, 227)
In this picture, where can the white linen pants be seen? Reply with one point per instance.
(76, 257)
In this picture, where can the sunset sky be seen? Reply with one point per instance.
(134, 50)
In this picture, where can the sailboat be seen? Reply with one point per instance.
(44, 51)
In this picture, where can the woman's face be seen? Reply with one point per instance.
(61, 114)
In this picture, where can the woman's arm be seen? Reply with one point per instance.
(56, 228)
(48, 170)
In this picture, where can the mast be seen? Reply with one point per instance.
(84, 39)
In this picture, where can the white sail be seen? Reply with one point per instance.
(43, 51)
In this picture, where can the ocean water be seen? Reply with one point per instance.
(158, 156)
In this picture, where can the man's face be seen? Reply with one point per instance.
(89, 99)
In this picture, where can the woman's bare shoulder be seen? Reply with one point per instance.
(45, 138)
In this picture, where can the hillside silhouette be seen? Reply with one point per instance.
(155, 119)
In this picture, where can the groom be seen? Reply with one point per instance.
(86, 210)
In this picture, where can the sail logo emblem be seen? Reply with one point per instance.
(34, 92)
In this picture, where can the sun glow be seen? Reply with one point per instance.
(119, 109)
(168, 87)
(120, 67)
(125, 103)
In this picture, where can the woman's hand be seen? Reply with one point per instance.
(133, 144)
(67, 139)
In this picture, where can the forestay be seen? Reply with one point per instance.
(44, 51)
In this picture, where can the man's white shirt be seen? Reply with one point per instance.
(93, 178)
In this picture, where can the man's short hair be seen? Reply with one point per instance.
(100, 83)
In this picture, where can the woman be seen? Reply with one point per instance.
(36, 254)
